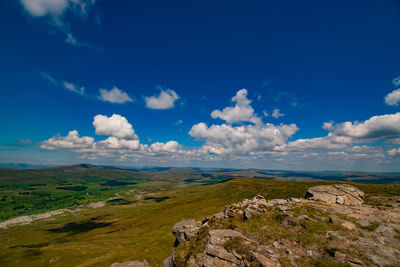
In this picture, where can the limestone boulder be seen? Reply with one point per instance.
(185, 229)
(339, 194)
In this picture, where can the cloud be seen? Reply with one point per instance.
(64, 84)
(72, 87)
(71, 141)
(40, 8)
(122, 144)
(114, 95)
(277, 114)
(381, 127)
(114, 143)
(345, 135)
(169, 147)
(393, 98)
(394, 152)
(116, 126)
(56, 9)
(24, 141)
(396, 81)
(319, 143)
(71, 39)
(165, 100)
(241, 112)
(243, 139)
(55, 13)
(346, 144)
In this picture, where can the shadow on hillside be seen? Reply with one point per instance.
(80, 227)
(157, 199)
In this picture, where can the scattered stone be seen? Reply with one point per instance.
(343, 258)
(377, 260)
(263, 260)
(364, 222)
(218, 215)
(346, 224)
(283, 208)
(279, 201)
(339, 194)
(303, 217)
(131, 264)
(295, 200)
(386, 231)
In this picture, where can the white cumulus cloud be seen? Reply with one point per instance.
(170, 147)
(114, 143)
(116, 126)
(242, 139)
(377, 127)
(241, 112)
(114, 95)
(71, 141)
(165, 100)
(393, 98)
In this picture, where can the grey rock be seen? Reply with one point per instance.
(386, 231)
(168, 262)
(344, 258)
(283, 207)
(183, 230)
(364, 222)
(295, 200)
(263, 260)
(215, 251)
(338, 194)
(346, 224)
(131, 264)
(279, 201)
(303, 217)
(377, 260)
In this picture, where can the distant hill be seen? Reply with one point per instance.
(88, 173)
(22, 166)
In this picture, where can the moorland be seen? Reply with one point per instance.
(140, 207)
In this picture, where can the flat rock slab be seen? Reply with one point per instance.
(338, 194)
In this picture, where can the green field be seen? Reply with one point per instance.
(138, 226)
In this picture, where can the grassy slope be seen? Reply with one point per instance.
(24, 192)
(139, 231)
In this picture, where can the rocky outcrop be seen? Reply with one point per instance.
(339, 194)
(356, 234)
(331, 227)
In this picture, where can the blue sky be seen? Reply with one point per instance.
(138, 83)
